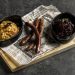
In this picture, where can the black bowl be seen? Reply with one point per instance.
(18, 21)
(52, 32)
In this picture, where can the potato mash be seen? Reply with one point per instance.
(8, 29)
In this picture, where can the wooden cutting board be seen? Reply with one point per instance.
(15, 67)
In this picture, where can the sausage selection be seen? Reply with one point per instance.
(37, 29)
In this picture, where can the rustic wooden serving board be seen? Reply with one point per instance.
(15, 67)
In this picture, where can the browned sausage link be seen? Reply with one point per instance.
(24, 40)
(37, 35)
(36, 22)
(31, 46)
(41, 26)
(28, 37)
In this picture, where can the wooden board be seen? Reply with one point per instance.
(15, 67)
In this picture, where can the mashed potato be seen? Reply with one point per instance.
(7, 30)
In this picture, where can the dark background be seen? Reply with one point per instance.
(62, 64)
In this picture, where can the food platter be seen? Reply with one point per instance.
(15, 55)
